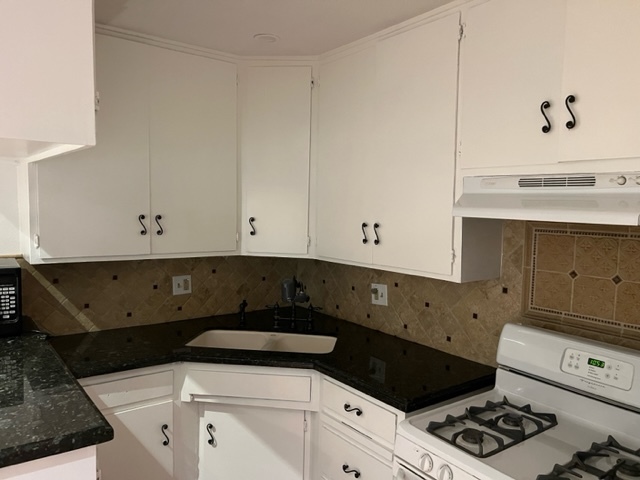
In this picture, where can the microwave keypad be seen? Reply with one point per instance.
(8, 302)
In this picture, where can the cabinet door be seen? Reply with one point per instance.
(47, 89)
(414, 159)
(602, 40)
(511, 63)
(251, 443)
(138, 450)
(274, 149)
(192, 123)
(344, 171)
(88, 202)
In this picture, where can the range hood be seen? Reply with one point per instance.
(603, 198)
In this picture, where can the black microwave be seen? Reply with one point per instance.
(10, 297)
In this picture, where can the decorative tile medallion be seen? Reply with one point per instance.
(585, 276)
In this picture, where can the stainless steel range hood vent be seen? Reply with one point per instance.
(607, 198)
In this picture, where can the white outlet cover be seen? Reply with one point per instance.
(181, 284)
(379, 294)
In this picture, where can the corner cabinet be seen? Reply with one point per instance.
(47, 90)
(161, 180)
(546, 82)
(139, 407)
(275, 135)
(386, 155)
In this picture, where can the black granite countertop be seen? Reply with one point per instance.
(43, 409)
(408, 376)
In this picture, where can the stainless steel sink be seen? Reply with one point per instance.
(267, 341)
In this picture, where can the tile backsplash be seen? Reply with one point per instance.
(464, 319)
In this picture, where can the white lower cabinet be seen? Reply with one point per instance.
(142, 445)
(339, 457)
(245, 442)
(139, 407)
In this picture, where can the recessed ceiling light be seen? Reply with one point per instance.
(266, 37)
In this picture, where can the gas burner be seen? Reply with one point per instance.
(472, 436)
(503, 422)
(630, 468)
(513, 420)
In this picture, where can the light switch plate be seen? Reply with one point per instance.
(379, 294)
(181, 284)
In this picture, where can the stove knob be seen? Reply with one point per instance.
(621, 180)
(400, 475)
(426, 463)
(445, 473)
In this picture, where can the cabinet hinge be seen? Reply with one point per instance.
(461, 34)
(306, 425)
(237, 80)
(453, 256)
(36, 241)
(314, 83)
(237, 237)
(96, 104)
(308, 241)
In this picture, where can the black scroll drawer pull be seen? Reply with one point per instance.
(543, 107)
(161, 230)
(571, 123)
(376, 226)
(164, 428)
(144, 227)
(212, 441)
(364, 233)
(349, 408)
(345, 469)
(253, 229)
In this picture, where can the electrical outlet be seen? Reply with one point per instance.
(379, 294)
(181, 284)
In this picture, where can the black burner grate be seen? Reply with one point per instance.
(500, 437)
(582, 462)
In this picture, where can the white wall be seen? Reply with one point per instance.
(9, 237)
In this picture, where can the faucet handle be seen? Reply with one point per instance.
(276, 307)
(243, 305)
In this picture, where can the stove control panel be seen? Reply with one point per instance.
(598, 368)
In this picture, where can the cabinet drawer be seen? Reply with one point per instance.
(248, 385)
(131, 390)
(373, 420)
(337, 454)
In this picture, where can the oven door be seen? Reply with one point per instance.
(401, 471)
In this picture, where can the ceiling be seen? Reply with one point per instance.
(304, 27)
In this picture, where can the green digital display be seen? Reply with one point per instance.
(596, 363)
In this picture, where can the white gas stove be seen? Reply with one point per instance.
(563, 408)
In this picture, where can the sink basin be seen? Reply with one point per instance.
(267, 341)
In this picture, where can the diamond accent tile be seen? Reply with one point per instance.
(573, 274)
(616, 279)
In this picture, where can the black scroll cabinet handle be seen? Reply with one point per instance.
(345, 469)
(253, 229)
(144, 227)
(365, 240)
(165, 442)
(543, 107)
(212, 441)
(376, 226)
(161, 231)
(571, 123)
(349, 408)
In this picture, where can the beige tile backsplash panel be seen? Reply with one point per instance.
(585, 276)
(563, 278)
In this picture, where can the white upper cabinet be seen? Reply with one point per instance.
(192, 141)
(162, 178)
(511, 63)
(602, 72)
(345, 141)
(47, 86)
(88, 202)
(568, 60)
(413, 161)
(275, 130)
(386, 153)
